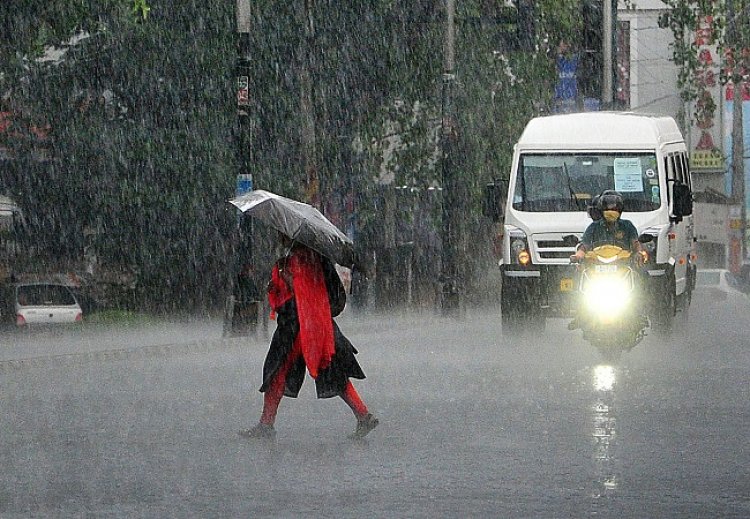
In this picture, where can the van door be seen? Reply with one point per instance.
(681, 229)
(688, 221)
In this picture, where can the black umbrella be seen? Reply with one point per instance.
(300, 222)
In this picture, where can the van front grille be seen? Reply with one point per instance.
(554, 248)
(550, 244)
(556, 254)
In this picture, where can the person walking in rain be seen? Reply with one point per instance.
(305, 293)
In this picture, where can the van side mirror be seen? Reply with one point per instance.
(683, 201)
(646, 238)
(493, 203)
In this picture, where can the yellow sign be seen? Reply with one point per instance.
(706, 159)
(566, 285)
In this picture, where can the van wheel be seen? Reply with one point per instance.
(537, 321)
(509, 316)
(686, 298)
(516, 323)
(511, 323)
(665, 307)
(518, 317)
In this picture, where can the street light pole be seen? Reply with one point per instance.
(449, 275)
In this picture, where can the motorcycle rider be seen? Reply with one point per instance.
(609, 229)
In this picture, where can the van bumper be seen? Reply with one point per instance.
(549, 288)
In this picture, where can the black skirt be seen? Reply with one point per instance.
(331, 381)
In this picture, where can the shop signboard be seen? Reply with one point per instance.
(706, 153)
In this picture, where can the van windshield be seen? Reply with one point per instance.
(568, 181)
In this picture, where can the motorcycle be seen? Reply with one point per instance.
(610, 302)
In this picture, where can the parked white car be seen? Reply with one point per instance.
(45, 303)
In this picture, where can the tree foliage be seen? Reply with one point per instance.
(141, 150)
(713, 22)
(143, 125)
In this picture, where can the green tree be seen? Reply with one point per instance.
(732, 35)
(142, 117)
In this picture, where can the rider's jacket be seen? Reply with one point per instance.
(620, 232)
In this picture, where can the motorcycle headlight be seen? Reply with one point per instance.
(607, 296)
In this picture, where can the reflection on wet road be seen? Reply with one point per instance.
(472, 424)
(605, 429)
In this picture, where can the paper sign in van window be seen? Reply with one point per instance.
(628, 176)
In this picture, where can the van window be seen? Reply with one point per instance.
(568, 181)
(679, 171)
(684, 176)
(686, 169)
(671, 171)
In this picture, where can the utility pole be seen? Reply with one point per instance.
(240, 242)
(738, 145)
(243, 130)
(607, 53)
(449, 134)
(307, 106)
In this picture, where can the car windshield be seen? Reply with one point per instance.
(45, 295)
(568, 182)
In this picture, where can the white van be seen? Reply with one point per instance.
(559, 164)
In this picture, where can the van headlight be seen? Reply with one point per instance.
(519, 248)
(650, 249)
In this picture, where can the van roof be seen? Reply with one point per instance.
(599, 130)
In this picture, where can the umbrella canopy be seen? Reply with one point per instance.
(300, 222)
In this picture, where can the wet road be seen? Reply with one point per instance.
(143, 423)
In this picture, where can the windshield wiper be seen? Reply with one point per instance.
(573, 196)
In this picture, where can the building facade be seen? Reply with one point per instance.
(647, 82)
